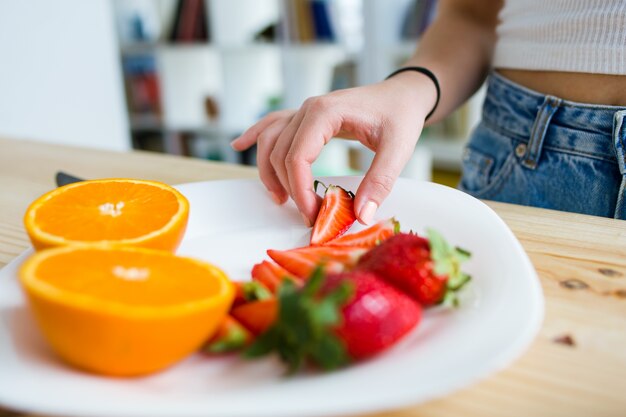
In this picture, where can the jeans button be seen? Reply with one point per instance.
(520, 150)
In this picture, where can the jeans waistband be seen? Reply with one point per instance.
(580, 127)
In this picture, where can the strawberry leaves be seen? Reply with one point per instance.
(303, 330)
(448, 260)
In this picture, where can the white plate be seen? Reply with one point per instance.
(232, 223)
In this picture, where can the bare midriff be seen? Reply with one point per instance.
(573, 86)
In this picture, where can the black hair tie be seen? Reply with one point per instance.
(427, 73)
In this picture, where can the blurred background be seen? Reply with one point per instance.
(187, 76)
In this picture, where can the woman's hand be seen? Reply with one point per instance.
(386, 117)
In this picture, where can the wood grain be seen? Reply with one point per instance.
(575, 367)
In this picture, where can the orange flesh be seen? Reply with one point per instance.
(128, 278)
(96, 214)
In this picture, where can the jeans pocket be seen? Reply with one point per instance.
(482, 175)
(477, 168)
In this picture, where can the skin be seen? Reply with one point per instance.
(388, 117)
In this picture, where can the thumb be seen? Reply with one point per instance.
(379, 179)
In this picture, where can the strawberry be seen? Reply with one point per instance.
(250, 291)
(335, 216)
(369, 237)
(426, 269)
(230, 336)
(271, 275)
(257, 316)
(337, 319)
(302, 261)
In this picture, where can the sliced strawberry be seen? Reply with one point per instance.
(230, 336)
(369, 237)
(335, 217)
(271, 275)
(250, 291)
(302, 261)
(256, 316)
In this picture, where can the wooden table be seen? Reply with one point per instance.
(575, 367)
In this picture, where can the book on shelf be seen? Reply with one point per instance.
(190, 22)
(322, 23)
(142, 85)
(307, 21)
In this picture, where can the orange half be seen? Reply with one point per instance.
(124, 311)
(113, 212)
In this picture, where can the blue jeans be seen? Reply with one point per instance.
(542, 151)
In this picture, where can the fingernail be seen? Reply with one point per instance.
(306, 220)
(366, 214)
(275, 197)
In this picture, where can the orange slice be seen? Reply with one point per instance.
(111, 211)
(124, 311)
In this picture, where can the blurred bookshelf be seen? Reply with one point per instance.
(200, 72)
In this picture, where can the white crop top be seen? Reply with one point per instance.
(562, 35)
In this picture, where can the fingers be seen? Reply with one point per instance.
(250, 136)
(389, 160)
(315, 130)
(265, 146)
(282, 146)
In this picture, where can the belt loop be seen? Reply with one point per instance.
(619, 138)
(538, 132)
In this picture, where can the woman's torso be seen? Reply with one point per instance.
(579, 87)
(573, 49)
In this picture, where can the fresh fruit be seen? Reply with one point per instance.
(302, 261)
(337, 319)
(256, 316)
(271, 275)
(426, 269)
(115, 212)
(250, 291)
(369, 237)
(335, 216)
(124, 311)
(230, 336)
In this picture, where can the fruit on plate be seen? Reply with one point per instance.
(335, 216)
(271, 275)
(230, 336)
(256, 316)
(250, 291)
(370, 237)
(124, 311)
(427, 269)
(116, 212)
(302, 261)
(336, 319)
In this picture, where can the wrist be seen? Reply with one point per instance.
(422, 87)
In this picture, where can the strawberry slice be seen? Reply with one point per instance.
(336, 215)
(302, 261)
(230, 336)
(369, 237)
(271, 275)
(256, 316)
(250, 291)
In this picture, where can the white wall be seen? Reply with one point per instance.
(60, 77)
